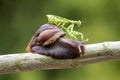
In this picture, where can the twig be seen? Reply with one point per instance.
(94, 53)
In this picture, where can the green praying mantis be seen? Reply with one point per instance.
(66, 25)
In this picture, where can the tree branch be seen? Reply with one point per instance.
(94, 53)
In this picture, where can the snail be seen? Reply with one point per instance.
(50, 40)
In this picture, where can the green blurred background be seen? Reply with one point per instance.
(100, 22)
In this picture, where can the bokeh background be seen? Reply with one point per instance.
(19, 19)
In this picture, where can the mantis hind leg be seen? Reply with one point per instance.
(74, 33)
(70, 31)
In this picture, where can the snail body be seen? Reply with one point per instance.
(49, 40)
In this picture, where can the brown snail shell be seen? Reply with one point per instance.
(49, 40)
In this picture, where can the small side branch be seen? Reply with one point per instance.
(94, 53)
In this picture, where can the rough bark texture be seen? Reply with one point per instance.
(94, 53)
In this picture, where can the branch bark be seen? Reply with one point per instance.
(94, 53)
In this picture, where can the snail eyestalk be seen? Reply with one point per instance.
(66, 25)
